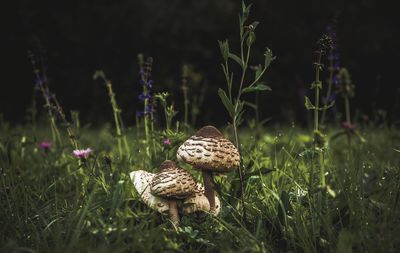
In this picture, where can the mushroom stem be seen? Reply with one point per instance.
(173, 212)
(209, 189)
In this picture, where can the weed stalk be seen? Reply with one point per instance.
(119, 125)
(234, 105)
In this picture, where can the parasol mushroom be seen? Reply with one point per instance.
(198, 202)
(209, 151)
(141, 180)
(172, 183)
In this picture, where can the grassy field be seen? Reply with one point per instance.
(52, 202)
(327, 189)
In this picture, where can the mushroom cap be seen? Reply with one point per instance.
(208, 150)
(198, 202)
(141, 180)
(172, 182)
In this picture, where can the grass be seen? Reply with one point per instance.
(295, 192)
(52, 203)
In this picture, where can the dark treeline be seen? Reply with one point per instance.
(78, 37)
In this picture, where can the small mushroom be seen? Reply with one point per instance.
(207, 150)
(172, 183)
(141, 180)
(198, 202)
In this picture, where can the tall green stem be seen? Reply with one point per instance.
(317, 88)
(347, 108)
(115, 113)
(71, 134)
(348, 120)
(185, 93)
(235, 123)
(330, 83)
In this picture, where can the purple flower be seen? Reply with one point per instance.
(82, 153)
(45, 145)
(150, 84)
(167, 142)
(331, 97)
(335, 80)
(148, 109)
(142, 96)
(38, 83)
(337, 65)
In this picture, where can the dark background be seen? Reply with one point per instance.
(79, 37)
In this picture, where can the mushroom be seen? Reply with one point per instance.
(141, 180)
(172, 183)
(207, 150)
(198, 202)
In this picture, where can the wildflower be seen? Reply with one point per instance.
(150, 84)
(325, 43)
(82, 153)
(167, 142)
(143, 96)
(38, 83)
(139, 114)
(148, 109)
(348, 127)
(45, 145)
(345, 86)
(337, 65)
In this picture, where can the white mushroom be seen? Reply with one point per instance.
(141, 180)
(198, 202)
(207, 150)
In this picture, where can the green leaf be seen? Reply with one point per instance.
(227, 103)
(245, 11)
(251, 38)
(262, 171)
(236, 59)
(239, 118)
(240, 107)
(268, 57)
(330, 191)
(316, 85)
(325, 107)
(252, 105)
(243, 6)
(224, 47)
(258, 71)
(257, 87)
(308, 104)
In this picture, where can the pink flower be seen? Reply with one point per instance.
(82, 153)
(45, 145)
(167, 142)
(348, 126)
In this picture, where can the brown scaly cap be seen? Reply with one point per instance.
(141, 180)
(209, 132)
(172, 182)
(209, 150)
(167, 164)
